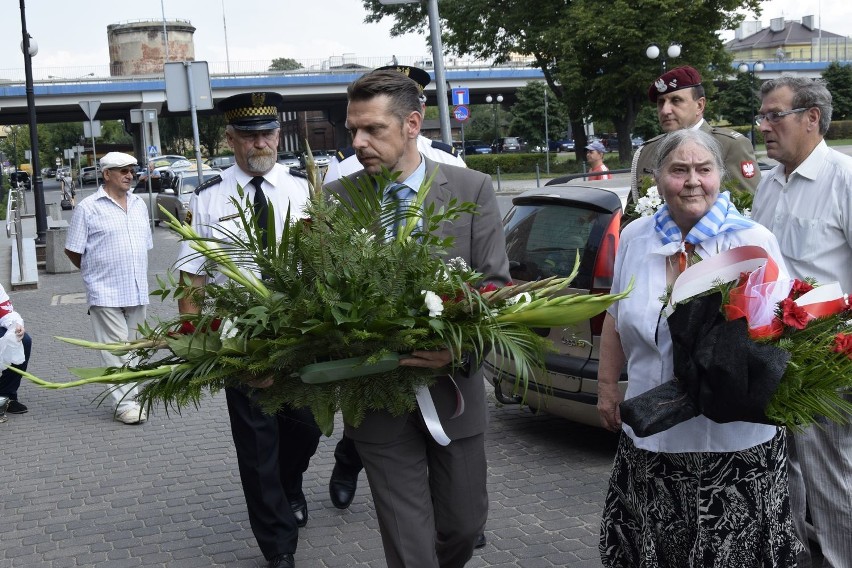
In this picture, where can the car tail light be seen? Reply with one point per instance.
(604, 267)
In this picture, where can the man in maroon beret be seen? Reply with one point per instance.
(680, 102)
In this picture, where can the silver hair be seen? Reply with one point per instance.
(807, 93)
(674, 140)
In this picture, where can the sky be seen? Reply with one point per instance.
(72, 37)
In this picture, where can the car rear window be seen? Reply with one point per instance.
(544, 240)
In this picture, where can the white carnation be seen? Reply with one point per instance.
(433, 303)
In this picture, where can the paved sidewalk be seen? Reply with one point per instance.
(79, 489)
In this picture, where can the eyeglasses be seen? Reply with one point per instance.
(775, 117)
(122, 171)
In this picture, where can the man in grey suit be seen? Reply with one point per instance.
(430, 499)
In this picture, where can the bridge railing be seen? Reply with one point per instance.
(345, 63)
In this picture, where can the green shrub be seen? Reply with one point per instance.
(526, 163)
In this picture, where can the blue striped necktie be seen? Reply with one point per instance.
(403, 195)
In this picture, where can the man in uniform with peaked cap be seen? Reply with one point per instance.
(344, 162)
(272, 451)
(680, 101)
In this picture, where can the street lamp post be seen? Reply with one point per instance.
(495, 101)
(30, 49)
(653, 51)
(751, 69)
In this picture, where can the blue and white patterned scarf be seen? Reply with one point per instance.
(721, 218)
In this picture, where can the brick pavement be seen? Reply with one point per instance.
(79, 489)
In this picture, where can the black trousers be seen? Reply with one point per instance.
(9, 379)
(273, 451)
(346, 456)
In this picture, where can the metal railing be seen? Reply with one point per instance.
(15, 207)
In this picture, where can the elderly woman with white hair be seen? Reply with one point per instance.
(700, 493)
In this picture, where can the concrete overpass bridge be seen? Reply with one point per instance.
(58, 100)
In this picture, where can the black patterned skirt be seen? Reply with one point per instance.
(700, 509)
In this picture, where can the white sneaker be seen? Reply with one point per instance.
(132, 415)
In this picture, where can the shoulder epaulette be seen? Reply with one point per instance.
(296, 172)
(719, 131)
(654, 139)
(344, 153)
(448, 148)
(209, 183)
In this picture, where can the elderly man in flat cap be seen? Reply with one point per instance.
(108, 240)
(680, 101)
(273, 451)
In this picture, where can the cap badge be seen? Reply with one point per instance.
(660, 85)
(257, 99)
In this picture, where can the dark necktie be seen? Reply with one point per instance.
(260, 208)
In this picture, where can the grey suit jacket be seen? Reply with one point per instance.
(480, 241)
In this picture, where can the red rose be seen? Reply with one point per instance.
(843, 344)
(490, 287)
(792, 315)
(800, 287)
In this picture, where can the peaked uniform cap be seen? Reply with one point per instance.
(416, 74)
(252, 111)
(679, 78)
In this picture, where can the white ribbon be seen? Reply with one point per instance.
(430, 414)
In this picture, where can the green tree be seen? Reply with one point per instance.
(592, 55)
(838, 79)
(738, 102)
(528, 116)
(284, 64)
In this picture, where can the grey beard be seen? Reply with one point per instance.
(261, 163)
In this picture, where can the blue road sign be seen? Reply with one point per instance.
(152, 150)
(461, 96)
(461, 113)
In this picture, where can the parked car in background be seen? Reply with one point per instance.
(506, 144)
(564, 145)
(637, 141)
(321, 158)
(165, 160)
(174, 197)
(289, 160)
(546, 229)
(221, 162)
(472, 147)
(88, 174)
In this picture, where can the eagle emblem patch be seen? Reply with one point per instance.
(748, 169)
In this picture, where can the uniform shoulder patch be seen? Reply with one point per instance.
(448, 148)
(215, 180)
(344, 153)
(719, 131)
(296, 172)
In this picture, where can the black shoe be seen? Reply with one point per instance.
(480, 541)
(282, 561)
(16, 407)
(300, 511)
(341, 487)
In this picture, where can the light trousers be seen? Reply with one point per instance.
(820, 479)
(111, 325)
